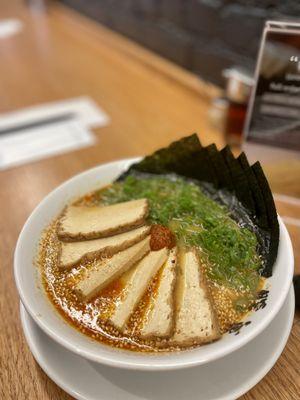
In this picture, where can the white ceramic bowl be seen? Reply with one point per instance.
(34, 299)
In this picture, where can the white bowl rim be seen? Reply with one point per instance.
(116, 361)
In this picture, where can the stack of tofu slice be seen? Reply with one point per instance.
(118, 238)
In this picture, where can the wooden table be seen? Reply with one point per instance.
(151, 102)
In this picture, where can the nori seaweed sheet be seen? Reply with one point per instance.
(184, 157)
(220, 167)
(220, 174)
(240, 181)
(271, 214)
(257, 192)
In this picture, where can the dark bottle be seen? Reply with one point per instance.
(238, 87)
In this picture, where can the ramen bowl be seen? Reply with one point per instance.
(30, 287)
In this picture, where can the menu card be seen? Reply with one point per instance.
(274, 111)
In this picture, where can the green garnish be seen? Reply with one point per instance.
(196, 220)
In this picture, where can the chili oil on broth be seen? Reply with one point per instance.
(91, 317)
(231, 304)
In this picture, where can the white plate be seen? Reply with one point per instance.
(28, 281)
(224, 379)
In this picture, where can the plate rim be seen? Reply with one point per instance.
(236, 394)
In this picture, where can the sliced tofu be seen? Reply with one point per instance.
(195, 318)
(80, 223)
(158, 319)
(72, 253)
(108, 270)
(136, 285)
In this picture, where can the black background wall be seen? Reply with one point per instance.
(204, 36)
